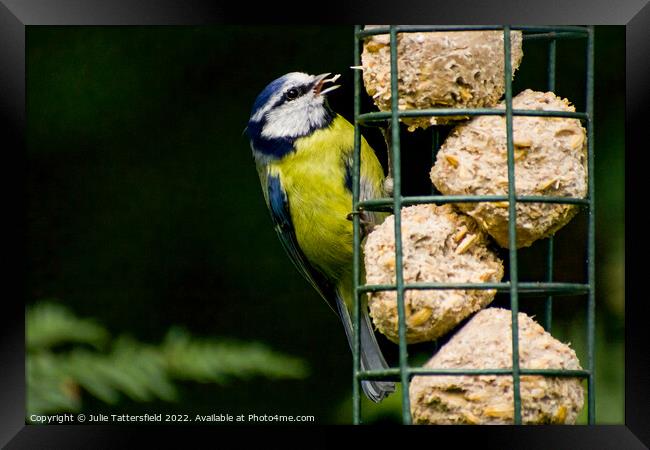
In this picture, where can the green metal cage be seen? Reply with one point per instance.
(403, 373)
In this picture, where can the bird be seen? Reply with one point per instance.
(303, 152)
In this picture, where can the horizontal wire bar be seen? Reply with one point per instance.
(431, 28)
(532, 287)
(370, 205)
(426, 28)
(386, 115)
(547, 372)
(392, 374)
(584, 30)
(553, 35)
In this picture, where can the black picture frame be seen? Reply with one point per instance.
(15, 15)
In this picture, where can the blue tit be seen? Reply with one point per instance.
(303, 153)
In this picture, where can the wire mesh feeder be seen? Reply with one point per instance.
(403, 373)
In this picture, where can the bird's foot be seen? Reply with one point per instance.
(366, 223)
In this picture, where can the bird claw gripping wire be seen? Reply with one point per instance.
(366, 222)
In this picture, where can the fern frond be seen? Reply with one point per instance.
(49, 324)
(141, 372)
(209, 360)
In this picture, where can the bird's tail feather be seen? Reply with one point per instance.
(370, 353)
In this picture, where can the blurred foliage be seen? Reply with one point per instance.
(67, 355)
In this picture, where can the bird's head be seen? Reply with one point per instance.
(290, 107)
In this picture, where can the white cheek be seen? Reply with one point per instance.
(297, 118)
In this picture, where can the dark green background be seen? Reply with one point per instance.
(145, 209)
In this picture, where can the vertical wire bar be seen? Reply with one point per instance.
(591, 233)
(397, 208)
(552, 57)
(356, 165)
(434, 152)
(548, 307)
(512, 229)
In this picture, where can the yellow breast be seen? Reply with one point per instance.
(313, 178)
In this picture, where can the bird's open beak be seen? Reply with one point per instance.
(320, 82)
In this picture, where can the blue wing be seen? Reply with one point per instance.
(280, 213)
